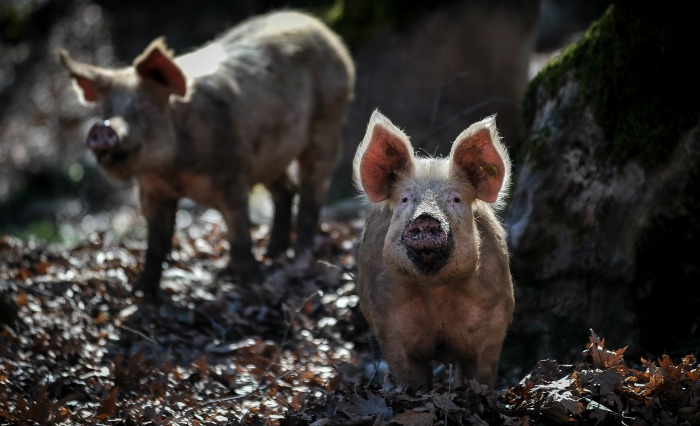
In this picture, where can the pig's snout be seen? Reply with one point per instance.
(102, 137)
(427, 243)
(424, 233)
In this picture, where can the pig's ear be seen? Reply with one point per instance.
(91, 80)
(156, 63)
(384, 152)
(478, 155)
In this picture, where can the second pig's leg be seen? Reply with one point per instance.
(282, 191)
(242, 264)
(316, 165)
(160, 217)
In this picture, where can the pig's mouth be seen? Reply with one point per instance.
(428, 245)
(429, 261)
(114, 156)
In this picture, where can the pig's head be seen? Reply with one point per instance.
(432, 233)
(136, 133)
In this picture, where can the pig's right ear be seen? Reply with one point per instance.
(384, 152)
(156, 63)
(92, 80)
(479, 156)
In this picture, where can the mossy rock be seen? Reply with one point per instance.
(602, 220)
(633, 69)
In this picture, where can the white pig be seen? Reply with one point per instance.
(434, 277)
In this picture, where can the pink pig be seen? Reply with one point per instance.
(434, 277)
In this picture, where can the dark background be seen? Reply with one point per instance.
(431, 67)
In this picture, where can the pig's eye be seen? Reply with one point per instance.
(456, 200)
(404, 200)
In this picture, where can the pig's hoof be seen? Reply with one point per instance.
(226, 274)
(251, 276)
(151, 293)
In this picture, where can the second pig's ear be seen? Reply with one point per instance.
(384, 152)
(91, 80)
(478, 155)
(156, 63)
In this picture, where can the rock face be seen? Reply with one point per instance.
(603, 217)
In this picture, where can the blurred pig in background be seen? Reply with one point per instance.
(210, 124)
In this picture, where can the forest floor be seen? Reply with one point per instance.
(77, 346)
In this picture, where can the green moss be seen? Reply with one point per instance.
(633, 72)
(538, 145)
(358, 21)
(14, 21)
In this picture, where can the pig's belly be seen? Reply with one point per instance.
(277, 146)
(198, 187)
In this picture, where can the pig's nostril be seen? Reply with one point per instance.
(102, 136)
(112, 138)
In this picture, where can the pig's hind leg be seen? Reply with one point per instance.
(282, 191)
(242, 264)
(316, 165)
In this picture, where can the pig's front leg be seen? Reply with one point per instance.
(407, 365)
(487, 370)
(242, 264)
(160, 217)
(406, 369)
(479, 362)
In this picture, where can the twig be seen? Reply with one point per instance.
(460, 115)
(221, 329)
(376, 365)
(259, 388)
(438, 98)
(139, 333)
(449, 391)
(290, 321)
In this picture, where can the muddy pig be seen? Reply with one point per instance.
(434, 278)
(210, 124)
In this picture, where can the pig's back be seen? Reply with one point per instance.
(277, 76)
(290, 39)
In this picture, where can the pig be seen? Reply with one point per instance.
(434, 279)
(264, 102)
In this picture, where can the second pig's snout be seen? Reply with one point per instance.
(102, 137)
(427, 243)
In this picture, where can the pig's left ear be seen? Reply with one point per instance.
(92, 81)
(156, 63)
(385, 152)
(478, 155)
